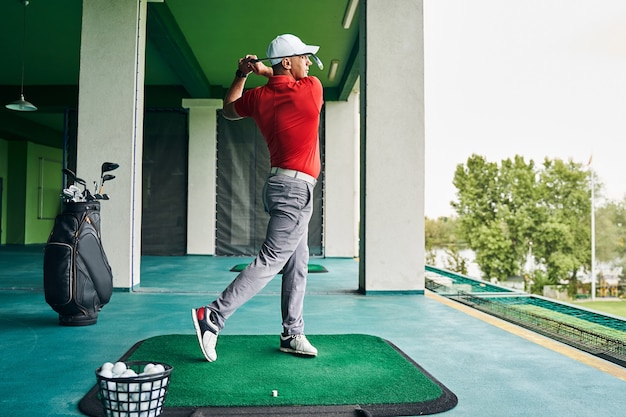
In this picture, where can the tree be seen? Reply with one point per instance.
(611, 232)
(611, 237)
(454, 261)
(563, 239)
(441, 232)
(503, 209)
(493, 206)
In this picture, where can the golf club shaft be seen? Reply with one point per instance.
(313, 57)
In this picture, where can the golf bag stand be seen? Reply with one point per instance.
(77, 277)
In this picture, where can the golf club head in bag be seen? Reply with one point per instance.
(105, 178)
(69, 174)
(106, 167)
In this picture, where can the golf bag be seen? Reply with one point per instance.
(77, 277)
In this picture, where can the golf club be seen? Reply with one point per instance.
(70, 176)
(73, 194)
(106, 167)
(313, 57)
(67, 195)
(82, 182)
(106, 177)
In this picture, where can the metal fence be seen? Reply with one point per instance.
(600, 345)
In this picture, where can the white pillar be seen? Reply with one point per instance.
(202, 175)
(341, 175)
(110, 123)
(392, 147)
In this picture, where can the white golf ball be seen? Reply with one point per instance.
(106, 366)
(118, 368)
(106, 373)
(129, 373)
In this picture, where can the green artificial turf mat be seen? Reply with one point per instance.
(313, 268)
(351, 371)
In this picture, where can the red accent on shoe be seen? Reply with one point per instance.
(200, 313)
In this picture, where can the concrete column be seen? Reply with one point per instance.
(392, 147)
(110, 123)
(341, 173)
(202, 175)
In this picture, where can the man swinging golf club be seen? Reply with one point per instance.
(287, 111)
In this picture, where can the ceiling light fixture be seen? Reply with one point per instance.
(332, 71)
(22, 104)
(350, 12)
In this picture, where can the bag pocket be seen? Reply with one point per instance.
(93, 270)
(58, 276)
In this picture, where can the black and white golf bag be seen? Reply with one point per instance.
(77, 277)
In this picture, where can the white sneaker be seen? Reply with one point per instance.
(297, 344)
(207, 332)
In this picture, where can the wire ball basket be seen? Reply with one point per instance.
(136, 396)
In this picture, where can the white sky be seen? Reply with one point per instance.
(537, 78)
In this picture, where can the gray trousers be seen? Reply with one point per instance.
(289, 202)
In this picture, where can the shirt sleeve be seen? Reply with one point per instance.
(243, 105)
(318, 90)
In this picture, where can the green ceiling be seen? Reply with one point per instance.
(192, 51)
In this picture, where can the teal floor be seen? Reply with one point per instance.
(46, 368)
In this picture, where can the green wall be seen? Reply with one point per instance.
(33, 184)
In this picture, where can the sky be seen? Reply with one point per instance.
(536, 78)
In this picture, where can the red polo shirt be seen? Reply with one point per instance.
(288, 113)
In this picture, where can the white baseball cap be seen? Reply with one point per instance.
(288, 45)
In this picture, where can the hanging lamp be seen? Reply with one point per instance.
(22, 104)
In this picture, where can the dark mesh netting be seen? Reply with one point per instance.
(164, 208)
